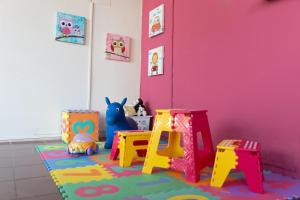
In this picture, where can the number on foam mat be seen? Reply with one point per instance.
(96, 191)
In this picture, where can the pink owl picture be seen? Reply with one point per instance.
(70, 28)
(117, 47)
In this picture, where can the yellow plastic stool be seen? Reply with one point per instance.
(161, 158)
(132, 144)
(182, 152)
(242, 155)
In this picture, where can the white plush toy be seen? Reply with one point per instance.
(141, 111)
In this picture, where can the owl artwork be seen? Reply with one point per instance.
(117, 47)
(70, 28)
(66, 26)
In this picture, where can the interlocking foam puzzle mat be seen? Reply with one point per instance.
(97, 177)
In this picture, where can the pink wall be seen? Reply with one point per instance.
(241, 61)
(157, 90)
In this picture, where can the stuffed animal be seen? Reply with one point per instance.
(116, 120)
(141, 111)
(139, 103)
(137, 109)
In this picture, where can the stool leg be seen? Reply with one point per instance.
(250, 164)
(201, 126)
(255, 183)
(127, 152)
(187, 164)
(152, 159)
(151, 151)
(184, 125)
(115, 148)
(224, 162)
(190, 150)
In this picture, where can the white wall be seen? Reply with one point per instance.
(39, 77)
(116, 79)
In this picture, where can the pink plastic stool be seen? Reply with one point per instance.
(241, 155)
(115, 150)
(182, 152)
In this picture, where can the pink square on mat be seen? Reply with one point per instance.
(57, 154)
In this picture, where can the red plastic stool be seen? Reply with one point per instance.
(127, 144)
(241, 155)
(182, 152)
(115, 148)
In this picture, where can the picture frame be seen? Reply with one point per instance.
(156, 61)
(156, 21)
(117, 47)
(70, 28)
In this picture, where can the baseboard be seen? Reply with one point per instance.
(30, 139)
(42, 137)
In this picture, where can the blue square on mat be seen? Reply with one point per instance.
(69, 163)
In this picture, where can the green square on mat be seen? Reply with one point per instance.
(186, 193)
(51, 147)
(63, 146)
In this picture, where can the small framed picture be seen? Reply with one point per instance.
(117, 47)
(70, 28)
(156, 61)
(156, 21)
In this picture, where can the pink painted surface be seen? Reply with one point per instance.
(241, 61)
(157, 90)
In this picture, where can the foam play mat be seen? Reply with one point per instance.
(97, 177)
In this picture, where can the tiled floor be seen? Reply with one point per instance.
(23, 175)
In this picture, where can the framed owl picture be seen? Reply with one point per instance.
(156, 21)
(156, 61)
(117, 47)
(70, 28)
